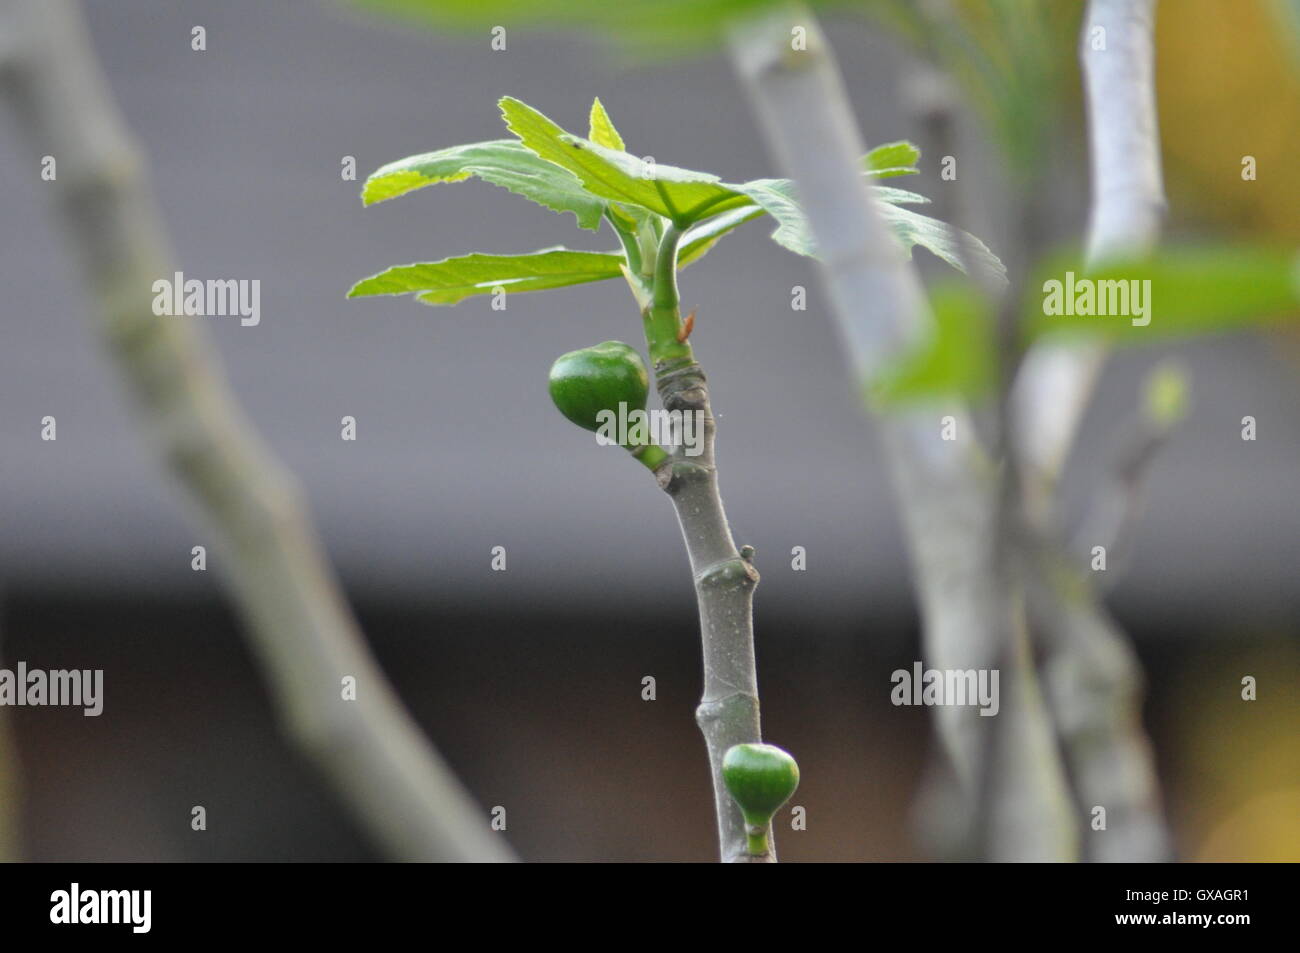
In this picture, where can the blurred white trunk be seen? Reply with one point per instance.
(1091, 673)
(946, 489)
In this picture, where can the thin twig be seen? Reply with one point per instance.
(300, 627)
(1112, 518)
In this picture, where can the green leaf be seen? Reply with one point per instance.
(628, 221)
(454, 279)
(678, 194)
(957, 357)
(602, 131)
(1178, 291)
(893, 158)
(898, 196)
(502, 162)
(955, 246)
(1193, 290)
(702, 237)
(644, 27)
(886, 160)
(777, 198)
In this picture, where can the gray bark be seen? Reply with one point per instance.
(1091, 672)
(947, 490)
(301, 631)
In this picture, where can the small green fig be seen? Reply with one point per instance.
(760, 778)
(586, 382)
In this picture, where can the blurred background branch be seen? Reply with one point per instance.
(946, 490)
(302, 631)
(1092, 675)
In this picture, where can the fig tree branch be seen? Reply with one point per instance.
(725, 580)
(1112, 518)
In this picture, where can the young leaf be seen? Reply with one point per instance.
(893, 158)
(678, 194)
(777, 198)
(602, 131)
(702, 237)
(957, 247)
(628, 221)
(895, 196)
(883, 161)
(454, 279)
(502, 162)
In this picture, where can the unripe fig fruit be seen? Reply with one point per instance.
(585, 382)
(760, 778)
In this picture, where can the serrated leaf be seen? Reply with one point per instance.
(703, 236)
(678, 194)
(502, 162)
(895, 196)
(1176, 292)
(602, 131)
(454, 279)
(777, 198)
(957, 247)
(891, 159)
(774, 196)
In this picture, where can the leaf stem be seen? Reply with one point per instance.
(631, 249)
(651, 455)
(663, 317)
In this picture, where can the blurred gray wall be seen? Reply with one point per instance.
(459, 449)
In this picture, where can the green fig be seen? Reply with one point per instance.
(586, 382)
(760, 778)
